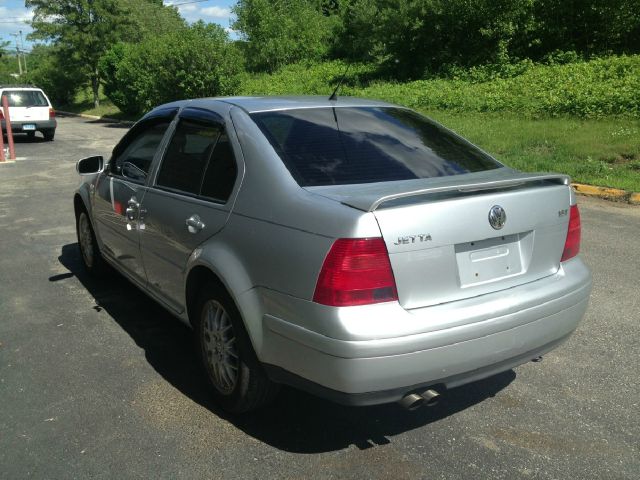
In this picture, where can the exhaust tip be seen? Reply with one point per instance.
(431, 397)
(413, 401)
(537, 359)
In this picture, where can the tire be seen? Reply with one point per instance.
(235, 375)
(48, 135)
(89, 251)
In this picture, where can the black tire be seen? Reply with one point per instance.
(89, 251)
(225, 345)
(48, 135)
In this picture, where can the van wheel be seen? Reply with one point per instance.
(48, 135)
(238, 381)
(89, 251)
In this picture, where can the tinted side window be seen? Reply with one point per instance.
(187, 156)
(221, 172)
(133, 159)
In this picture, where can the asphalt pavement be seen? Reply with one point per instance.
(97, 381)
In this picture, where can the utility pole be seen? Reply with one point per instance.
(18, 53)
(24, 57)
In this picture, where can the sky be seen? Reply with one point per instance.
(13, 15)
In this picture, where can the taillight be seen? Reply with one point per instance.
(1, 113)
(52, 113)
(356, 271)
(572, 243)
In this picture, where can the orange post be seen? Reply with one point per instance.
(7, 123)
(2, 159)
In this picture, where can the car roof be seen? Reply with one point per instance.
(20, 87)
(264, 104)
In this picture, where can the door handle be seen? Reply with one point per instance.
(194, 224)
(132, 209)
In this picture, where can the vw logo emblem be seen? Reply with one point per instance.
(497, 217)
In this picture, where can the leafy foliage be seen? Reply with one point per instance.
(308, 79)
(198, 61)
(283, 32)
(82, 29)
(598, 88)
(53, 71)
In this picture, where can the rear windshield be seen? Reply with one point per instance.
(26, 98)
(338, 146)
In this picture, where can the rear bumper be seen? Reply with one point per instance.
(451, 344)
(17, 127)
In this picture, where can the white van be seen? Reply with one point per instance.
(30, 111)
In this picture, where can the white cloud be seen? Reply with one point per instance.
(216, 12)
(12, 20)
(187, 8)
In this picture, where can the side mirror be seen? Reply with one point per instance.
(90, 165)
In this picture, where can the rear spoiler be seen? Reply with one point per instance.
(368, 197)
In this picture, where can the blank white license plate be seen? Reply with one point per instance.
(28, 126)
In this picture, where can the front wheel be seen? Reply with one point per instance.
(89, 251)
(237, 379)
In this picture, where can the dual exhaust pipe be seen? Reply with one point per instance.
(413, 401)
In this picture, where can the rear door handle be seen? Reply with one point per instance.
(194, 224)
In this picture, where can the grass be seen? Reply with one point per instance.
(603, 152)
(84, 104)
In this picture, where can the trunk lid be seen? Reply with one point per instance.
(440, 241)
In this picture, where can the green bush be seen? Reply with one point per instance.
(598, 88)
(307, 79)
(55, 72)
(195, 62)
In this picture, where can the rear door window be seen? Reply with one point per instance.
(199, 159)
(336, 146)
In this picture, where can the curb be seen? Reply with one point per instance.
(95, 117)
(607, 193)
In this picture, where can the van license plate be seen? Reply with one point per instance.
(28, 126)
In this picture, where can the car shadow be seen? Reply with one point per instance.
(295, 421)
(124, 124)
(19, 138)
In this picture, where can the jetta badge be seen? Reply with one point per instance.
(497, 217)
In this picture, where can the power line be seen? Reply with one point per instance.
(185, 3)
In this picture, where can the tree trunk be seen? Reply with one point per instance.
(95, 84)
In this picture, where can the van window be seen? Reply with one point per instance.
(25, 98)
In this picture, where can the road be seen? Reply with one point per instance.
(96, 381)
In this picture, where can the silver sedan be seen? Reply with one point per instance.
(351, 248)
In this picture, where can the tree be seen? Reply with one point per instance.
(82, 29)
(148, 18)
(198, 61)
(51, 69)
(280, 32)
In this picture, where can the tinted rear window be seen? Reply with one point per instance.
(26, 98)
(338, 146)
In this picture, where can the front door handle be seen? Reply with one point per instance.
(194, 224)
(132, 209)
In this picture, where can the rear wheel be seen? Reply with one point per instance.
(48, 135)
(237, 379)
(89, 251)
